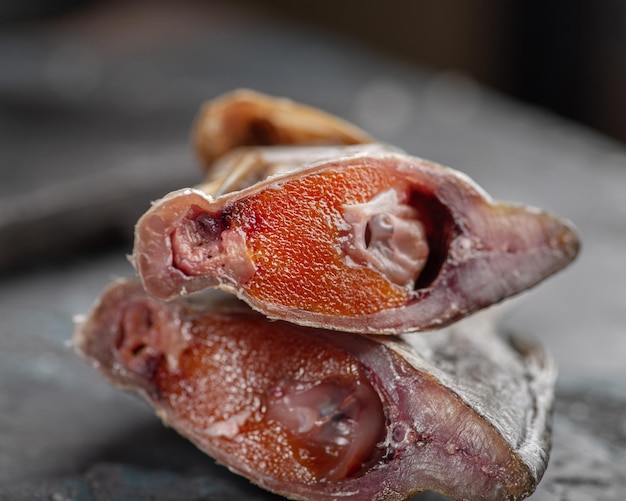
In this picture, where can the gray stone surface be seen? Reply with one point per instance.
(78, 167)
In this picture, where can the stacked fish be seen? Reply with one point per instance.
(352, 371)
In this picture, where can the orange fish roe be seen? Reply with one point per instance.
(294, 236)
(220, 390)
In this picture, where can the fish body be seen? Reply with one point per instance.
(318, 415)
(364, 239)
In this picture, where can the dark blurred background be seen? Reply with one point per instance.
(568, 56)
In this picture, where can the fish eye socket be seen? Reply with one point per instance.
(399, 239)
(339, 422)
(388, 236)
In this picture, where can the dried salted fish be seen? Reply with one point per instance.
(248, 118)
(342, 416)
(364, 239)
